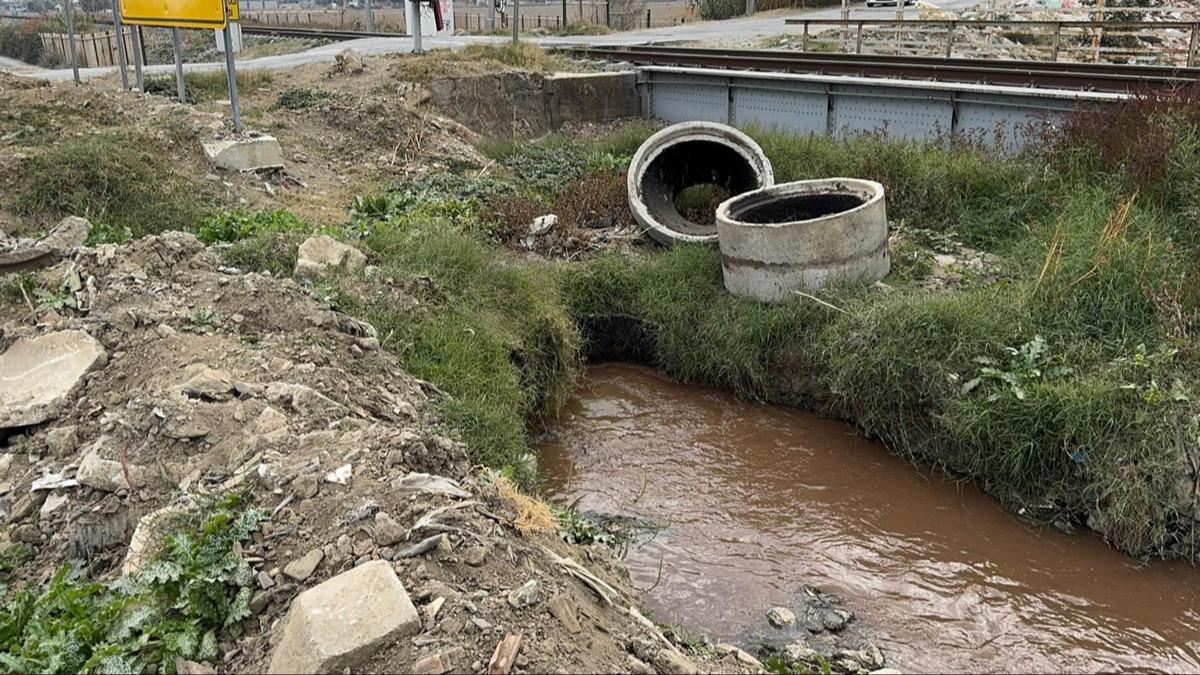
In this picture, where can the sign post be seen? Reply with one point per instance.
(177, 47)
(138, 57)
(370, 18)
(176, 14)
(122, 57)
(69, 16)
(516, 19)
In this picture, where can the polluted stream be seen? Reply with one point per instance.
(757, 501)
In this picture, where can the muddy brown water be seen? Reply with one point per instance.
(758, 500)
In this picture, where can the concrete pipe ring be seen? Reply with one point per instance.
(803, 236)
(688, 155)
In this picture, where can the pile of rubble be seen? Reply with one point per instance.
(140, 379)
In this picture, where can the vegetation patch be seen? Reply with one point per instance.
(175, 607)
(477, 59)
(126, 183)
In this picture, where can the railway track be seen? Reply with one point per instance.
(327, 34)
(1059, 75)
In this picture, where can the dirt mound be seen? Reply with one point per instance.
(218, 380)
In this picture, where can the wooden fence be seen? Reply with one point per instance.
(93, 49)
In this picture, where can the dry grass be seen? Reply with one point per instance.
(479, 59)
(532, 515)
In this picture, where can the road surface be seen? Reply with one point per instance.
(770, 23)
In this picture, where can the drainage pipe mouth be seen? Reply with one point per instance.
(688, 155)
(803, 236)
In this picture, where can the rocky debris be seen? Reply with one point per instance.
(524, 596)
(318, 254)
(339, 623)
(303, 568)
(20, 254)
(388, 532)
(450, 660)
(252, 152)
(348, 62)
(62, 441)
(561, 608)
(37, 375)
(542, 224)
(781, 617)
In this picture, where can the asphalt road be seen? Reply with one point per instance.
(770, 23)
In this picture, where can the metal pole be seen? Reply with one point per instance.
(564, 8)
(515, 19)
(231, 75)
(949, 39)
(138, 57)
(1058, 40)
(122, 58)
(1191, 59)
(69, 13)
(607, 13)
(858, 38)
(177, 47)
(370, 18)
(846, 23)
(491, 22)
(414, 23)
(804, 41)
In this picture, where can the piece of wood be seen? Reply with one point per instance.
(504, 656)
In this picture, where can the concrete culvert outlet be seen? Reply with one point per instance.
(803, 236)
(684, 156)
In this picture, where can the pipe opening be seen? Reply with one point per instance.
(683, 172)
(798, 207)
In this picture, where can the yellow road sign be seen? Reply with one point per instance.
(176, 13)
(232, 6)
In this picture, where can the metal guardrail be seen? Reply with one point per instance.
(841, 106)
(1045, 74)
(1054, 38)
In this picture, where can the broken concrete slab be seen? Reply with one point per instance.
(21, 254)
(38, 375)
(253, 153)
(321, 253)
(340, 623)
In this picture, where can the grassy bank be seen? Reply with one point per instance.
(1060, 382)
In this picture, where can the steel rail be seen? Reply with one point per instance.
(1060, 75)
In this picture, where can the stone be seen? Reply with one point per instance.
(270, 424)
(561, 608)
(442, 662)
(70, 232)
(306, 486)
(543, 224)
(476, 556)
(207, 384)
(102, 474)
(432, 610)
(185, 667)
(388, 532)
(338, 624)
(835, 619)
(636, 666)
(781, 617)
(671, 661)
(259, 601)
(264, 580)
(349, 62)
(245, 154)
(38, 375)
(303, 568)
(741, 655)
(53, 503)
(798, 652)
(62, 441)
(319, 254)
(524, 596)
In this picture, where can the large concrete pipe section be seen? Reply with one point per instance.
(803, 236)
(687, 155)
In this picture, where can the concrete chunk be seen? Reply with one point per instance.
(319, 253)
(340, 623)
(245, 154)
(37, 376)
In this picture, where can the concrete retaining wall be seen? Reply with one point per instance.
(507, 105)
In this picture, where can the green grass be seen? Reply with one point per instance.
(1063, 388)
(208, 85)
(124, 182)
